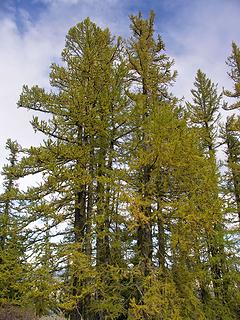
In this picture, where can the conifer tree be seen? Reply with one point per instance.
(161, 194)
(232, 126)
(150, 73)
(78, 158)
(204, 110)
(233, 62)
(231, 138)
(204, 113)
(12, 257)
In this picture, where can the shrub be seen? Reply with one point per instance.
(56, 317)
(12, 312)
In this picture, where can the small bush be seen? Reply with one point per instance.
(11, 312)
(52, 318)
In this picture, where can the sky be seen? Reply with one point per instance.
(197, 34)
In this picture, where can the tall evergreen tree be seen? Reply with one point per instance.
(231, 138)
(204, 113)
(233, 62)
(204, 110)
(12, 258)
(162, 196)
(78, 161)
(232, 126)
(151, 75)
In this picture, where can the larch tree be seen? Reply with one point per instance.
(204, 115)
(233, 62)
(231, 138)
(13, 264)
(204, 111)
(168, 173)
(79, 163)
(230, 135)
(232, 126)
(150, 75)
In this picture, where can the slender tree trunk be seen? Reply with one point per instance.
(79, 226)
(79, 232)
(90, 191)
(161, 238)
(216, 243)
(144, 232)
(235, 176)
(101, 213)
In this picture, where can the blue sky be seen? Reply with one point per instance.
(36, 7)
(197, 34)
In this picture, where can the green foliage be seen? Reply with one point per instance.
(204, 110)
(233, 62)
(12, 238)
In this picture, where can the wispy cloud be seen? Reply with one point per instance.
(26, 54)
(201, 38)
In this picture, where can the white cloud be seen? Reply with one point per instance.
(204, 33)
(25, 57)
